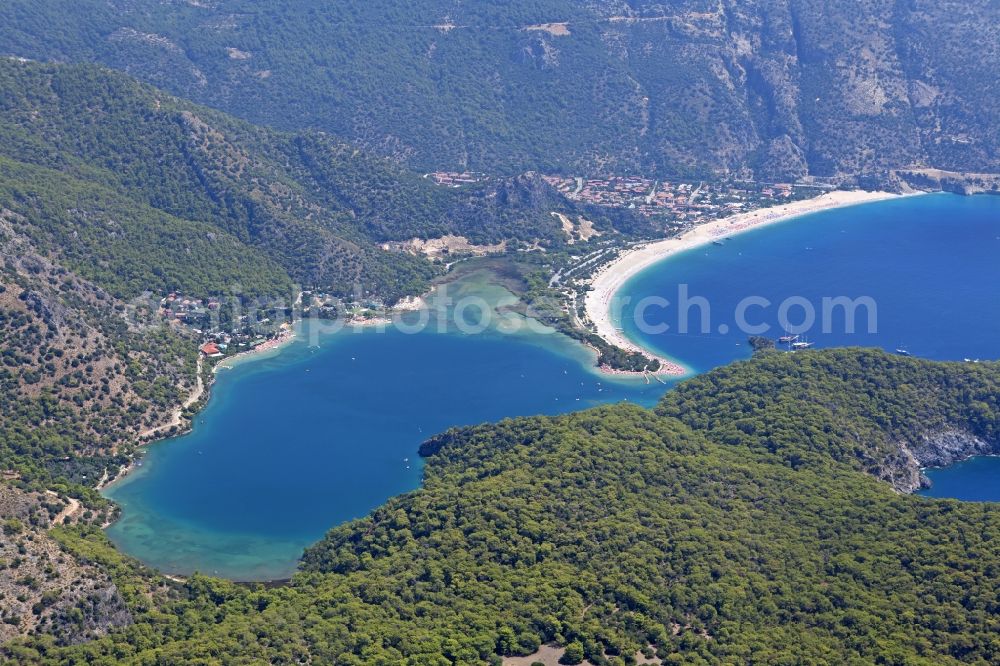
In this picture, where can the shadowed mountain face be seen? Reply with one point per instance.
(771, 88)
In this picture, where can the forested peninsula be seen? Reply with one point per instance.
(750, 517)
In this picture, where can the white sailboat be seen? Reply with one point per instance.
(802, 344)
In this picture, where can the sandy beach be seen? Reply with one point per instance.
(287, 335)
(609, 279)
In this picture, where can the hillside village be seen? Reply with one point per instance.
(678, 202)
(671, 202)
(676, 206)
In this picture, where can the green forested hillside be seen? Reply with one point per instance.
(874, 412)
(109, 171)
(126, 246)
(776, 88)
(111, 190)
(731, 525)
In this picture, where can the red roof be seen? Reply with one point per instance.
(209, 349)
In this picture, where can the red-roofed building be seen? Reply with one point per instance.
(210, 349)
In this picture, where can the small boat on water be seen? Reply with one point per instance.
(903, 352)
(788, 339)
(802, 344)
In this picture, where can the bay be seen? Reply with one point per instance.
(328, 429)
(931, 264)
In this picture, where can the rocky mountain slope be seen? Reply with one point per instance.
(43, 589)
(768, 88)
(77, 376)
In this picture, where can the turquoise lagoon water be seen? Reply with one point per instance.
(292, 445)
(930, 263)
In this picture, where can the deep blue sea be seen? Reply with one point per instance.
(973, 480)
(930, 264)
(292, 445)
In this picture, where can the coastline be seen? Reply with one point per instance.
(177, 417)
(604, 285)
(611, 277)
(286, 336)
(668, 366)
(160, 433)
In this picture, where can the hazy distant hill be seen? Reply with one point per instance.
(781, 88)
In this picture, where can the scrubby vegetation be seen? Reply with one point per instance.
(77, 380)
(733, 524)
